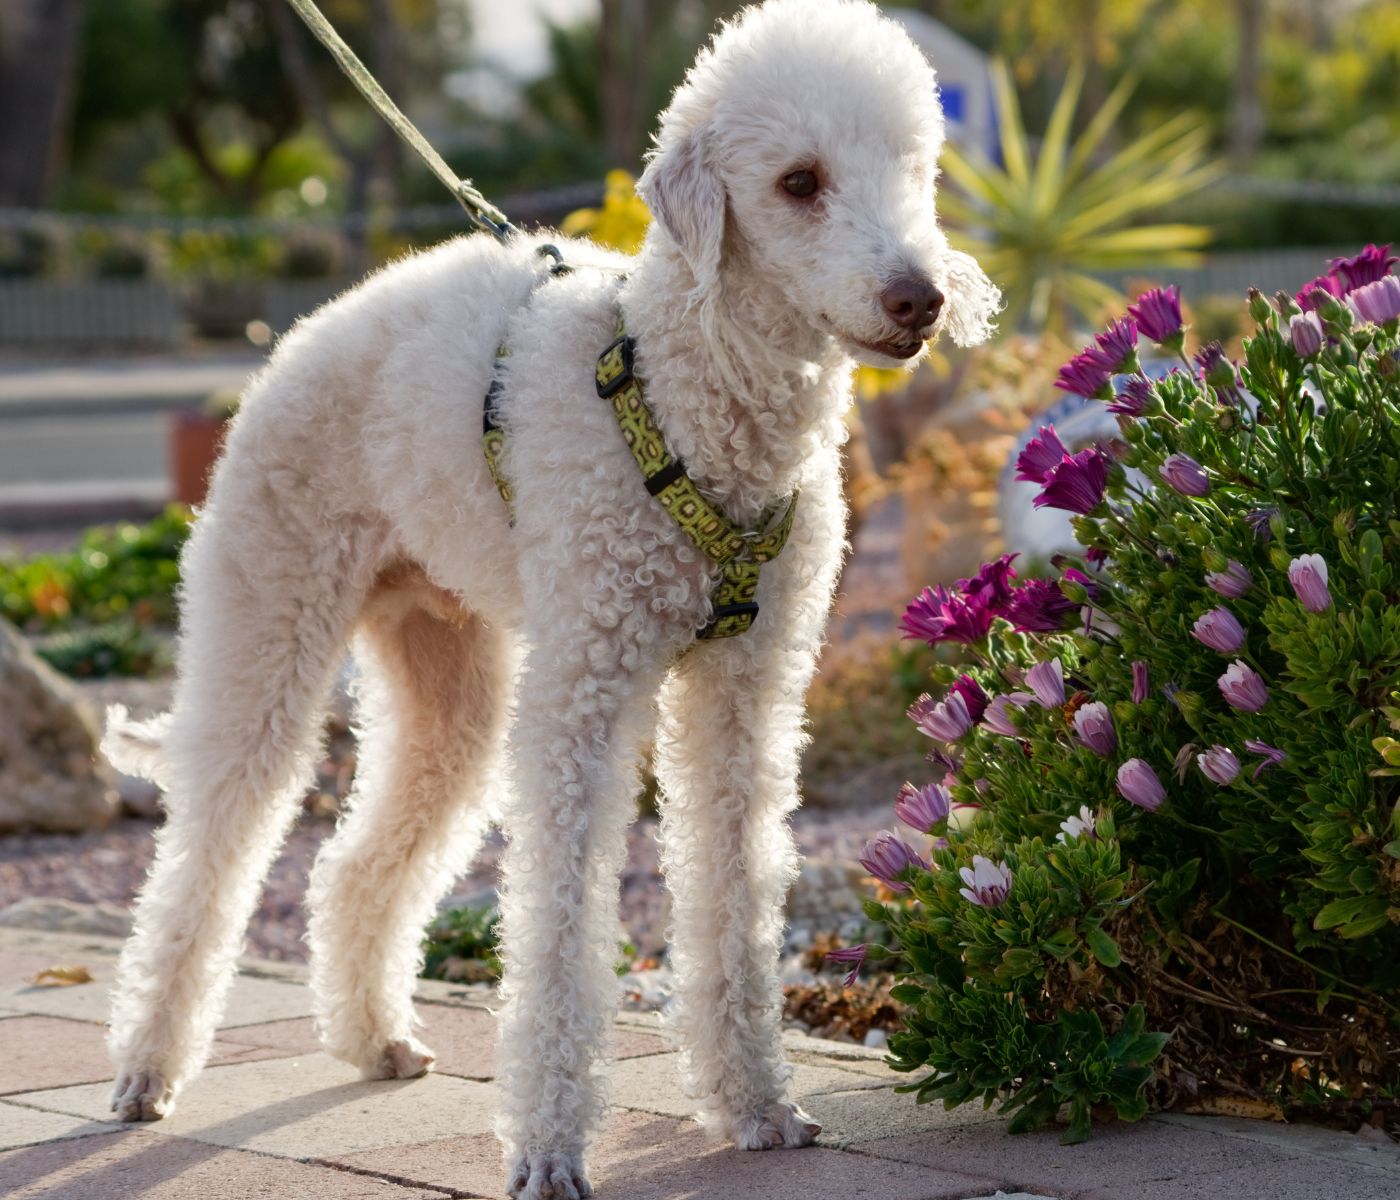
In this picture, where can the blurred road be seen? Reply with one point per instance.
(85, 435)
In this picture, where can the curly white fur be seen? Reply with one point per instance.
(353, 499)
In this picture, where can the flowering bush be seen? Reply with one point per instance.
(1170, 815)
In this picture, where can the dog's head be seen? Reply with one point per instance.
(803, 148)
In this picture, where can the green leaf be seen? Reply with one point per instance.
(1104, 948)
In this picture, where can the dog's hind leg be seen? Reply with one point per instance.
(268, 603)
(435, 688)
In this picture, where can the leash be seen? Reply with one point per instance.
(483, 213)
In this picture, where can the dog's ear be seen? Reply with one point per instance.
(686, 197)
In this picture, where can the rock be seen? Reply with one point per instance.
(51, 777)
(824, 890)
(876, 1039)
(66, 916)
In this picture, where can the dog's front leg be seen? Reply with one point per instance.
(574, 750)
(727, 759)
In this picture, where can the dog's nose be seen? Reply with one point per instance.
(912, 302)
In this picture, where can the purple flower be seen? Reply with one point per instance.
(1158, 315)
(1186, 475)
(1219, 765)
(1077, 485)
(1219, 629)
(922, 808)
(988, 883)
(1220, 373)
(1271, 755)
(1232, 582)
(1242, 688)
(1132, 401)
(1038, 606)
(1094, 725)
(849, 954)
(1095, 556)
(1138, 784)
(887, 856)
(1042, 453)
(1377, 302)
(1075, 576)
(973, 697)
(1086, 375)
(1258, 520)
(948, 720)
(1117, 346)
(992, 585)
(1079, 826)
(940, 615)
(1307, 294)
(1141, 690)
(1373, 263)
(1308, 575)
(1306, 332)
(1047, 681)
(996, 718)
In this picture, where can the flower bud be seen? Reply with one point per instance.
(1305, 332)
(1214, 559)
(1259, 307)
(1286, 304)
(1280, 558)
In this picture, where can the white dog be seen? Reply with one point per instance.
(793, 188)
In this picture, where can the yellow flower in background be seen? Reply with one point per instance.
(620, 224)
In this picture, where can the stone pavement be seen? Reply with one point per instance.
(273, 1117)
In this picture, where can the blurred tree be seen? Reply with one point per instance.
(38, 54)
(1041, 223)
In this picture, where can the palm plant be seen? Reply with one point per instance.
(1040, 223)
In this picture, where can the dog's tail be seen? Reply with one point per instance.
(136, 747)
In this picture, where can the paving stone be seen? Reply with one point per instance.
(1295, 1139)
(51, 1052)
(654, 1084)
(464, 1039)
(21, 1126)
(643, 1157)
(1116, 1156)
(306, 1107)
(141, 1165)
(849, 1118)
(1273, 1179)
(251, 1000)
(20, 966)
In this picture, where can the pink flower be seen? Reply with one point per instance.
(1271, 755)
(1157, 313)
(1038, 606)
(1371, 264)
(1377, 303)
(1133, 400)
(1117, 346)
(1086, 375)
(1219, 765)
(947, 720)
(973, 697)
(1186, 475)
(1305, 331)
(1220, 630)
(1232, 582)
(1242, 688)
(849, 954)
(988, 883)
(1042, 453)
(1329, 285)
(1140, 687)
(996, 718)
(940, 615)
(1308, 575)
(887, 857)
(1093, 724)
(1138, 784)
(1047, 681)
(1077, 484)
(922, 808)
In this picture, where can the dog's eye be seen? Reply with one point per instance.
(802, 184)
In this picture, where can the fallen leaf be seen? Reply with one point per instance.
(1236, 1106)
(62, 976)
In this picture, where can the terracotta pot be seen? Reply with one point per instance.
(195, 440)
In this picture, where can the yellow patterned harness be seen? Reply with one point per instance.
(737, 552)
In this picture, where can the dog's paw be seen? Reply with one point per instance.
(553, 1176)
(775, 1126)
(406, 1058)
(142, 1096)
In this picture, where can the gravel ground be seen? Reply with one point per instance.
(109, 866)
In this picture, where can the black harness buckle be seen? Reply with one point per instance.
(624, 347)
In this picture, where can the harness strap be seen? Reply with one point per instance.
(738, 552)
